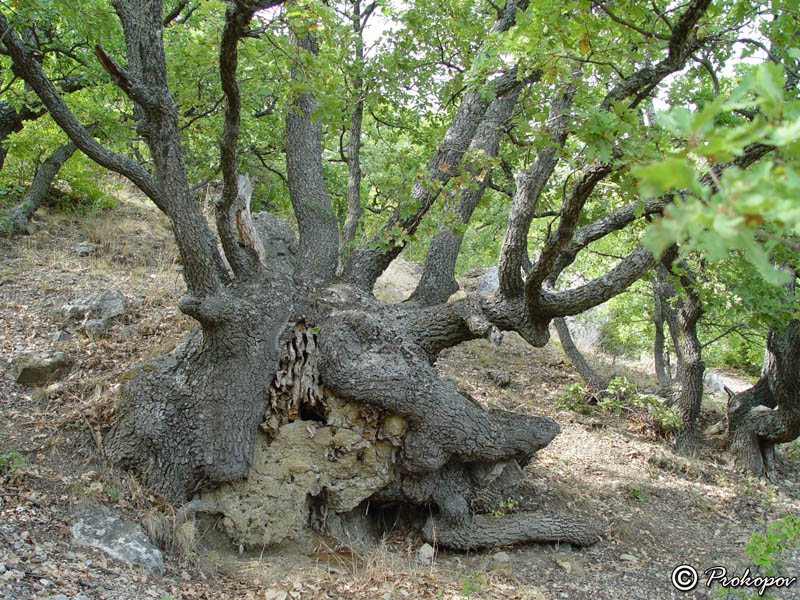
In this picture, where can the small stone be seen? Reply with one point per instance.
(45, 582)
(96, 327)
(426, 553)
(499, 377)
(85, 249)
(59, 597)
(60, 337)
(502, 557)
(628, 557)
(562, 560)
(102, 528)
(2, 567)
(39, 368)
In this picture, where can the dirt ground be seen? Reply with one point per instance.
(660, 510)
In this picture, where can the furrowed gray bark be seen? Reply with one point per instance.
(438, 281)
(39, 189)
(319, 233)
(769, 412)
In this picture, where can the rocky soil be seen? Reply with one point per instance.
(660, 510)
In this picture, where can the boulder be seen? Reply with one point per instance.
(96, 312)
(100, 527)
(39, 368)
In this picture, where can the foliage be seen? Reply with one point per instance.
(11, 464)
(504, 507)
(473, 582)
(572, 398)
(750, 211)
(621, 397)
(766, 551)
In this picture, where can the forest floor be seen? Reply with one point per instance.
(659, 510)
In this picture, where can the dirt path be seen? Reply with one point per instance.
(660, 510)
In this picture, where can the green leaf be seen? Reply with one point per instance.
(671, 173)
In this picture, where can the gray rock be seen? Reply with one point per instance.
(99, 527)
(426, 553)
(499, 377)
(85, 249)
(39, 368)
(96, 327)
(489, 283)
(501, 557)
(97, 311)
(628, 558)
(60, 337)
(278, 239)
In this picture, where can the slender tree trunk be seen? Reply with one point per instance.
(659, 349)
(594, 381)
(354, 210)
(688, 393)
(40, 188)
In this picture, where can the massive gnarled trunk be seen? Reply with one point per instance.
(769, 412)
(299, 396)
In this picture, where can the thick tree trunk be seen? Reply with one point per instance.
(688, 392)
(182, 414)
(40, 188)
(769, 412)
(594, 381)
(191, 416)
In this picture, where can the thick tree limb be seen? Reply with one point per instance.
(367, 263)
(568, 219)
(354, 210)
(319, 232)
(438, 281)
(529, 186)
